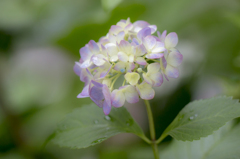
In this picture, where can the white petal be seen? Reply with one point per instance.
(159, 47)
(145, 91)
(131, 58)
(149, 42)
(131, 94)
(153, 68)
(171, 40)
(98, 59)
(132, 77)
(122, 56)
(118, 98)
(172, 72)
(175, 58)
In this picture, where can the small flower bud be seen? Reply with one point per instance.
(139, 70)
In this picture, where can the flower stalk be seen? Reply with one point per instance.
(152, 129)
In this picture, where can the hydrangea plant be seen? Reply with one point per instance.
(132, 55)
(131, 51)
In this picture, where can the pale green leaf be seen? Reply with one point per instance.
(222, 144)
(87, 126)
(200, 118)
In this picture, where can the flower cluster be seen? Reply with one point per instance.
(131, 54)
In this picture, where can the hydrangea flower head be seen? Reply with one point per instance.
(131, 51)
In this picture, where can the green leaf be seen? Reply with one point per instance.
(200, 118)
(87, 126)
(223, 144)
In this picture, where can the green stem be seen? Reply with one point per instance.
(161, 139)
(152, 129)
(146, 139)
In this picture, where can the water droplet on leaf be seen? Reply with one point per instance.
(107, 118)
(191, 118)
(129, 122)
(98, 140)
(181, 117)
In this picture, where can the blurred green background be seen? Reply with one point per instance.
(40, 41)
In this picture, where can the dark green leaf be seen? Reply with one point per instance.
(200, 118)
(223, 144)
(87, 126)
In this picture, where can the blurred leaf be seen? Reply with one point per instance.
(231, 85)
(13, 155)
(223, 144)
(200, 118)
(83, 33)
(5, 41)
(116, 154)
(6, 140)
(234, 18)
(109, 5)
(15, 14)
(88, 126)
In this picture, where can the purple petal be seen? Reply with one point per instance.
(86, 64)
(141, 61)
(157, 79)
(106, 108)
(77, 69)
(128, 27)
(140, 50)
(93, 46)
(138, 25)
(123, 20)
(120, 36)
(103, 40)
(118, 98)
(172, 72)
(164, 62)
(85, 53)
(143, 33)
(107, 94)
(105, 72)
(162, 36)
(159, 47)
(153, 28)
(97, 84)
(96, 93)
(154, 55)
(115, 29)
(135, 41)
(85, 75)
(130, 67)
(107, 101)
(84, 93)
(166, 77)
(149, 42)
